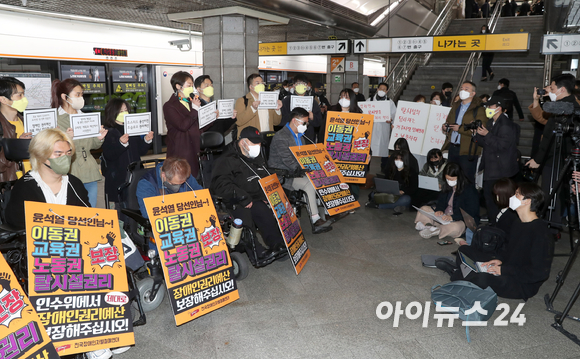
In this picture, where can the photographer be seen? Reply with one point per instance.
(499, 158)
(459, 143)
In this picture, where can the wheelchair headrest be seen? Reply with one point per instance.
(15, 149)
(211, 139)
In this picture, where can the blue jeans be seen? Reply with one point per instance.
(468, 236)
(404, 200)
(92, 188)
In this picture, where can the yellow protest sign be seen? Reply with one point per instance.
(326, 178)
(287, 221)
(193, 252)
(459, 43)
(347, 138)
(77, 277)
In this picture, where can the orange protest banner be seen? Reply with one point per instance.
(193, 252)
(22, 335)
(347, 138)
(287, 221)
(77, 277)
(326, 178)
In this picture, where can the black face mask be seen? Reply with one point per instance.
(435, 164)
(447, 93)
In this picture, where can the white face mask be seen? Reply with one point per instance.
(399, 164)
(253, 151)
(292, 90)
(483, 31)
(464, 94)
(76, 102)
(515, 202)
(452, 183)
(344, 103)
(553, 96)
(499, 87)
(301, 127)
(381, 93)
(356, 90)
(437, 102)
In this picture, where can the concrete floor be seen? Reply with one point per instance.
(329, 310)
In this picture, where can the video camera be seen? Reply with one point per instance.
(566, 118)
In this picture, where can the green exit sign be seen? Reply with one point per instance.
(336, 78)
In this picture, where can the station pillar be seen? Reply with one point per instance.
(337, 81)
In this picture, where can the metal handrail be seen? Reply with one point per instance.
(401, 73)
(473, 60)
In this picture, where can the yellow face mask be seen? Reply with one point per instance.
(20, 105)
(300, 89)
(208, 91)
(259, 88)
(121, 116)
(187, 91)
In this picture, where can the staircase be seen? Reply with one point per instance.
(523, 69)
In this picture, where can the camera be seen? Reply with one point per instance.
(179, 43)
(473, 125)
(541, 92)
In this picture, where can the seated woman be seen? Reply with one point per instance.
(50, 156)
(456, 193)
(401, 171)
(519, 271)
(401, 144)
(433, 168)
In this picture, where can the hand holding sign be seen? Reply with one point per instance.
(38, 120)
(226, 108)
(137, 124)
(269, 100)
(87, 125)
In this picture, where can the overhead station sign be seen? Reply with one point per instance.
(304, 48)
(561, 44)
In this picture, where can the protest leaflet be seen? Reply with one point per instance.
(38, 120)
(301, 101)
(226, 108)
(381, 126)
(434, 136)
(348, 141)
(268, 100)
(137, 124)
(287, 221)
(77, 277)
(327, 180)
(193, 252)
(206, 114)
(86, 125)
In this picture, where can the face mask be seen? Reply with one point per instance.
(483, 31)
(259, 88)
(253, 151)
(435, 164)
(399, 164)
(437, 102)
(60, 165)
(20, 105)
(515, 202)
(381, 93)
(187, 91)
(448, 93)
(76, 102)
(452, 183)
(499, 87)
(121, 117)
(490, 112)
(553, 96)
(292, 90)
(356, 90)
(464, 94)
(285, 88)
(301, 127)
(172, 187)
(208, 91)
(344, 103)
(300, 89)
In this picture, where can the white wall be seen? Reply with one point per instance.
(43, 37)
(312, 64)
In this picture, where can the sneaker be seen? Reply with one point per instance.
(430, 232)
(419, 226)
(100, 354)
(446, 265)
(371, 205)
(120, 350)
(321, 226)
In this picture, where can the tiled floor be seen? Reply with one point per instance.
(329, 310)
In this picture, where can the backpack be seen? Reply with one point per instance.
(488, 239)
(459, 297)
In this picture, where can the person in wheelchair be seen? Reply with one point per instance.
(281, 158)
(170, 176)
(50, 156)
(235, 179)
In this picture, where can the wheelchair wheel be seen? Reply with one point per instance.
(240, 265)
(144, 286)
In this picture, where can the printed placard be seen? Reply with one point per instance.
(77, 277)
(380, 109)
(381, 126)
(301, 101)
(86, 125)
(287, 221)
(22, 335)
(434, 136)
(206, 114)
(194, 255)
(410, 123)
(268, 100)
(327, 180)
(137, 124)
(348, 141)
(226, 108)
(38, 120)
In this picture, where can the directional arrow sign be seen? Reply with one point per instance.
(378, 45)
(552, 44)
(360, 46)
(337, 64)
(341, 46)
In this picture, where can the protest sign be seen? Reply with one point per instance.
(327, 180)
(434, 136)
(380, 109)
(137, 124)
(410, 123)
(86, 125)
(381, 126)
(38, 120)
(193, 253)
(287, 221)
(22, 335)
(77, 277)
(268, 100)
(301, 101)
(206, 114)
(226, 108)
(348, 141)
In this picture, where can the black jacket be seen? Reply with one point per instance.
(233, 179)
(500, 153)
(316, 117)
(27, 189)
(512, 101)
(409, 187)
(118, 157)
(360, 97)
(468, 200)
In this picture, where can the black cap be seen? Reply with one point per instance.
(495, 100)
(252, 134)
